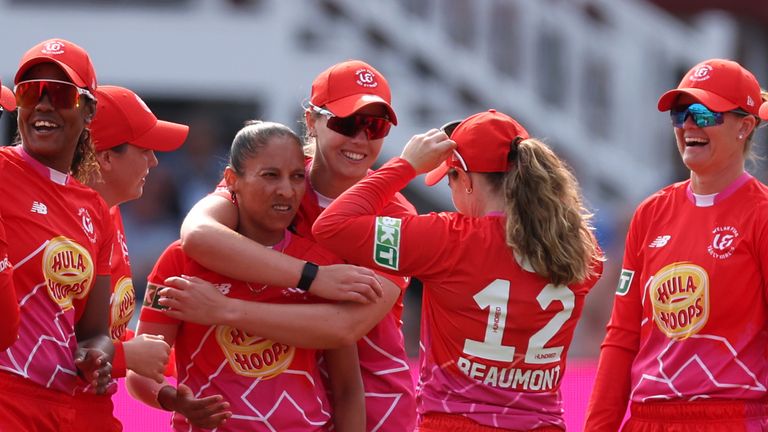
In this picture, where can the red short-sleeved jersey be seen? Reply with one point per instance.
(389, 394)
(495, 333)
(692, 296)
(60, 237)
(270, 386)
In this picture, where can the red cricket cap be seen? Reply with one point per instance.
(764, 111)
(122, 117)
(720, 85)
(346, 87)
(73, 59)
(483, 141)
(7, 99)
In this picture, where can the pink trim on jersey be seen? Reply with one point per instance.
(45, 171)
(725, 193)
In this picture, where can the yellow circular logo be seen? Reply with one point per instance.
(123, 306)
(680, 298)
(253, 356)
(68, 271)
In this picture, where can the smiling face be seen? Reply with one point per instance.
(48, 134)
(713, 150)
(124, 170)
(269, 190)
(342, 160)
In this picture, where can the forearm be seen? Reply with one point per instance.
(349, 411)
(610, 394)
(145, 390)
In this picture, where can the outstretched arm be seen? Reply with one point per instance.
(208, 412)
(208, 237)
(320, 326)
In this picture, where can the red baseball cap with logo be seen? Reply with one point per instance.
(346, 87)
(122, 117)
(73, 59)
(720, 85)
(483, 142)
(7, 99)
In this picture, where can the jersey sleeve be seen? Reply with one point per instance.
(405, 245)
(610, 394)
(172, 262)
(9, 306)
(106, 243)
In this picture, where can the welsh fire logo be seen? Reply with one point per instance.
(680, 299)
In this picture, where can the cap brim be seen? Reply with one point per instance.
(349, 105)
(708, 99)
(764, 111)
(44, 59)
(7, 99)
(164, 136)
(437, 174)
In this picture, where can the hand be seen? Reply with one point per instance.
(208, 413)
(426, 151)
(194, 300)
(345, 282)
(95, 368)
(147, 355)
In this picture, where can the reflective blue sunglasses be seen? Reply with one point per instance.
(701, 115)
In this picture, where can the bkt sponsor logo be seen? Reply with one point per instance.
(386, 247)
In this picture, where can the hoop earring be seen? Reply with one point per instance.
(468, 190)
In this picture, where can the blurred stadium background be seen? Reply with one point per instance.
(582, 74)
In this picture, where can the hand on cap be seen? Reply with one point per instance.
(426, 151)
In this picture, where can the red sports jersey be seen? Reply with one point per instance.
(390, 401)
(61, 237)
(270, 386)
(498, 371)
(9, 306)
(691, 301)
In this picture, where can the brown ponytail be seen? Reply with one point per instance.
(547, 223)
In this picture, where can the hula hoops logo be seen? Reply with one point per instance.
(253, 356)
(123, 306)
(68, 270)
(680, 299)
(386, 246)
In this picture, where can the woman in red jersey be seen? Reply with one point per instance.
(125, 135)
(504, 278)
(268, 385)
(687, 339)
(347, 118)
(9, 306)
(59, 241)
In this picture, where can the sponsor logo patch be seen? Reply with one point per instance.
(123, 306)
(152, 297)
(680, 299)
(68, 270)
(253, 356)
(386, 247)
(625, 280)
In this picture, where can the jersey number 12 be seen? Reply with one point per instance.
(495, 298)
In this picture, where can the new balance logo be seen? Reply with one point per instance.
(39, 208)
(660, 241)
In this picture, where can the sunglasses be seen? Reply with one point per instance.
(449, 127)
(374, 127)
(701, 115)
(61, 94)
